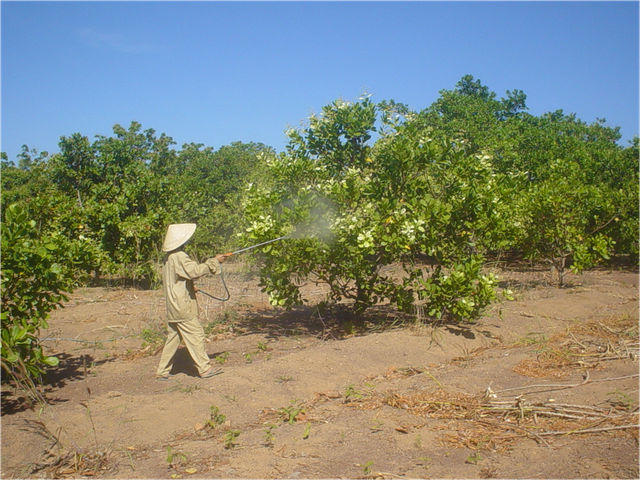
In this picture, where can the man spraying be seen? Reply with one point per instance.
(178, 273)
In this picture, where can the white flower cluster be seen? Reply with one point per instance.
(365, 239)
(261, 226)
(346, 224)
(410, 227)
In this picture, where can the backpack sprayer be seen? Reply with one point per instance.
(242, 250)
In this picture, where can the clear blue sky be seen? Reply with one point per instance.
(219, 72)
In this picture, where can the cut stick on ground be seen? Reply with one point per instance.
(561, 386)
(591, 430)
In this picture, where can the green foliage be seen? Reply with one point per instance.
(27, 180)
(172, 455)
(367, 468)
(119, 199)
(362, 187)
(352, 393)
(230, 439)
(473, 116)
(624, 195)
(517, 141)
(463, 291)
(38, 272)
(210, 187)
(269, 435)
(307, 431)
(153, 336)
(290, 414)
(122, 191)
(364, 207)
(564, 220)
(474, 459)
(222, 358)
(574, 190)
(215, 417)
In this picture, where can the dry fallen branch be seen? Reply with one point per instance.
(585, 346)
(591, 430)
(546, 408)
(551, 387)
(383, 476)
(516, 427)
(488, 422)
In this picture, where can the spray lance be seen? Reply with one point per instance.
(256, 246)
(242, 250)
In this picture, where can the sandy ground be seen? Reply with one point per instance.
(545, 386)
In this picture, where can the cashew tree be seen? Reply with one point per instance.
(38, 273)
(352, 206)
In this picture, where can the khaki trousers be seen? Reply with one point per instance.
(192, 333)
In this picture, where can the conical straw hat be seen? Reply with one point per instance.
(177, 235)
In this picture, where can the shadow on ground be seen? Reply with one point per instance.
(71, 367)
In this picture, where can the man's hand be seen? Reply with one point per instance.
(222, 256)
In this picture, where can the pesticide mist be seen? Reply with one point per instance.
(317, 223)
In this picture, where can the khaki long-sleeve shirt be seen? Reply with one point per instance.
(178, 273)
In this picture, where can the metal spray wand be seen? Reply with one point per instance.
(228, 295)
(256, 246)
